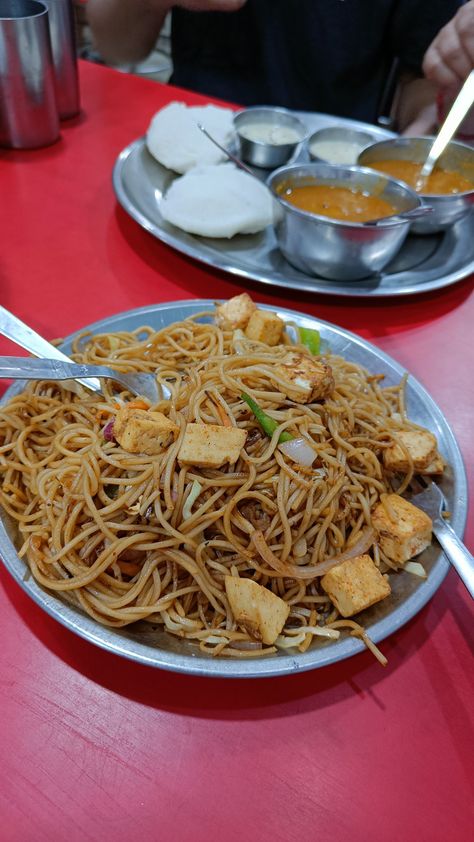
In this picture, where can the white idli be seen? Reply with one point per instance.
(174, 139)
(218, 201)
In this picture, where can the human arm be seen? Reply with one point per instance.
(127, 30)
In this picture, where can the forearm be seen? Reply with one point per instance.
(126, 30)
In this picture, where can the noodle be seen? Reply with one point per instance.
(105, 527)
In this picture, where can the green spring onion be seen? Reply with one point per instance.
(267, 424)
(311, 339)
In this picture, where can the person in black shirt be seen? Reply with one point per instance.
(330, 56)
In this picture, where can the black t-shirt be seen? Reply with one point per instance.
(320, 55)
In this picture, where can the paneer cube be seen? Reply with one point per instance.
(210, 445)
(265, 326)
(259, 611)
(235, 313)
(142, 431)
(306, 379)
(436, 466)
(420, 444)
(405, 532)
(355, 585)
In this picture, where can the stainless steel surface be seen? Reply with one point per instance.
(63, 43)
(268, 155)
(409, 593)
(21, 368)
(416, 213)
(333, 248)
(229, 154)
(458, 157)
(423, 264)
(456, 114)
(432, 501)
(339, 133)
(16, 330)
(28, 111)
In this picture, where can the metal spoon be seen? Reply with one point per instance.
(231, 157)
(25, 368)
(456, 115)
(48, 367)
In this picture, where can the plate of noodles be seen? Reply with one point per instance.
(246, 525)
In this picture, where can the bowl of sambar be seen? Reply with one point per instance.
(450, 188)
(331, 220)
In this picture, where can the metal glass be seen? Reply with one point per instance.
(409, 593)
(28, 111)
(63, 44)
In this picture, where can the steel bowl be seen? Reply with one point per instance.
(447, 209)
(334, 249)
(259, 152)
(355, 141)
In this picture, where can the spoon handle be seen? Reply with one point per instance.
(16, 330)
(456, 115)
(231, 157)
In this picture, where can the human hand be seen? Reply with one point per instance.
(450, 57)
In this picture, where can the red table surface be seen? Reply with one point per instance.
(94, 747)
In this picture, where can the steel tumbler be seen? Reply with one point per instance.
(28, 110)
(63, 43)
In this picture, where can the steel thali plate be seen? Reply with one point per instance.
(409, 593)
(424, 263)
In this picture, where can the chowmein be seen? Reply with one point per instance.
(254, 510)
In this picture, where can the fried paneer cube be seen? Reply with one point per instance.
(421, 445)
(355, 584)
(142, 431)
(306, 379)
(403, 533)
(436, 466)
(259, 611)
(210, 445)
(235, 313)
(265, 326)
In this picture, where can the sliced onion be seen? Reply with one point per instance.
(299, 451)
(300, 548)
(365, 540)
(416, 568)
(108, 431)
(238, 337)
(196, 489)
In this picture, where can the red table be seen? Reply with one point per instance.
(96, 748)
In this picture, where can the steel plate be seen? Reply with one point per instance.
(409, 595)
(425, 262)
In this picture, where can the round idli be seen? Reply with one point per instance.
(218, 201)
(175, 140)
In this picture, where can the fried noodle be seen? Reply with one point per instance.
(105, 528)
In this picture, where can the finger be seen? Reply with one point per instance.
(435, 69)
(465, 28)
(452, 58)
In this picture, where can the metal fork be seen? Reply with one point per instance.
(16, 330)
(21, 368)
(432, 501)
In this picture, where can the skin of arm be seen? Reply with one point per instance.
(127, 30)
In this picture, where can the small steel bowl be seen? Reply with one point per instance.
(334, 249)
(261, 153)
(447, 209)
(337, 134)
